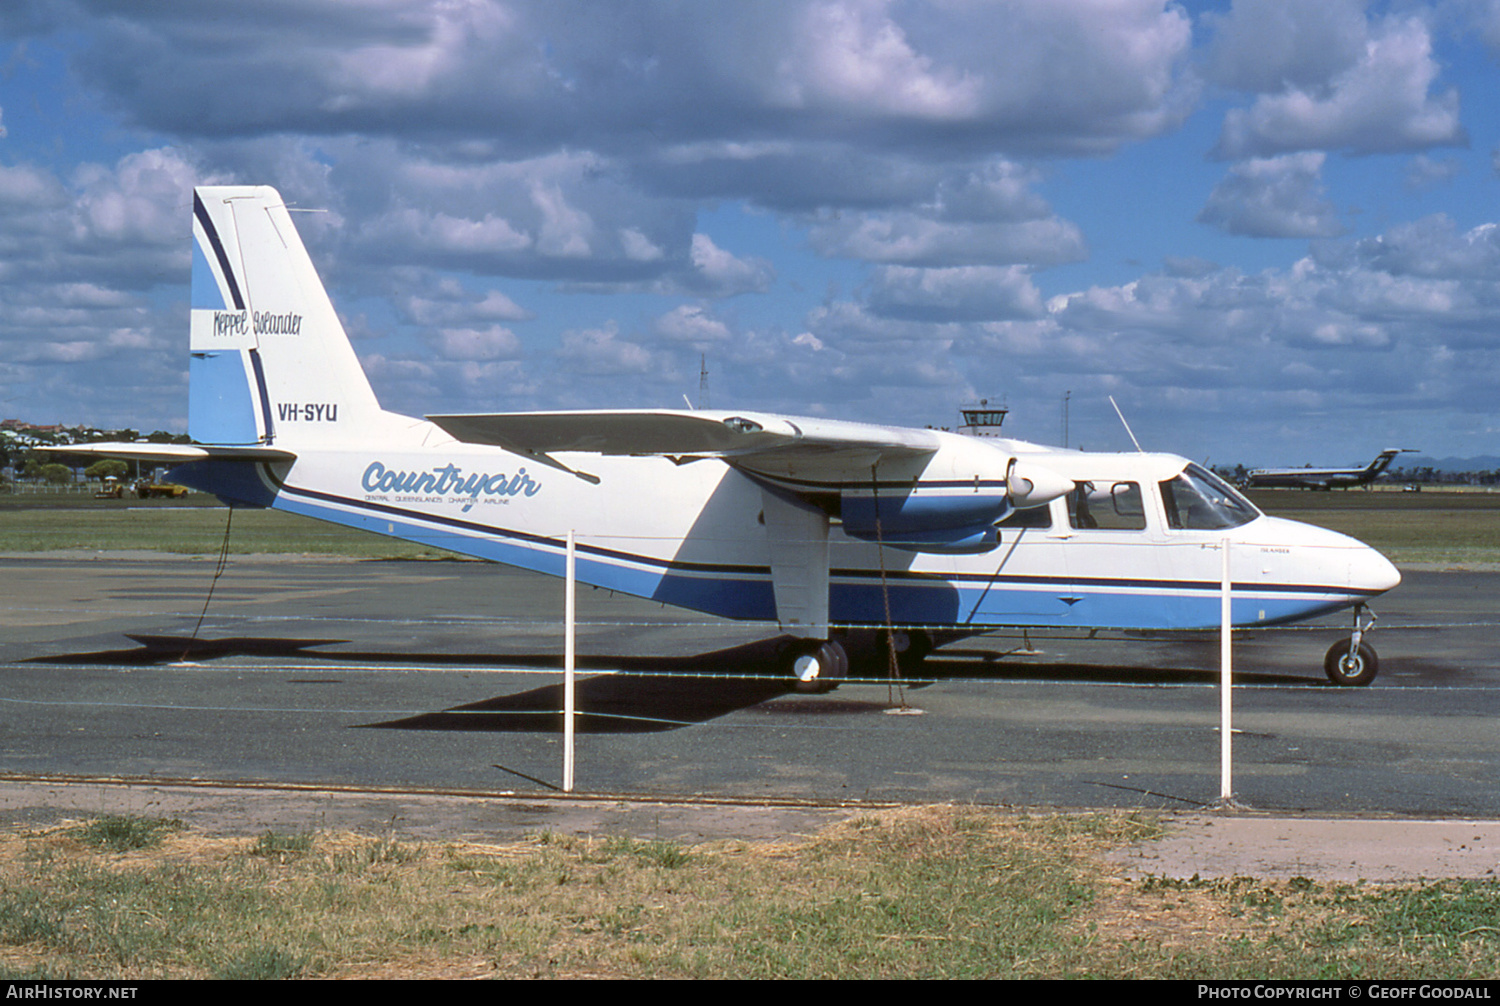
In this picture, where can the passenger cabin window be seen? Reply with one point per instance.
(1107, 506)
(1198, 500)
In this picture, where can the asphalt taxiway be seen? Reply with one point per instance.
(442, 676)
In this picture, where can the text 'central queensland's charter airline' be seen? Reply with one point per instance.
(842, 533)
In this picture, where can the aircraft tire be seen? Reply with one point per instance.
(1349, 670)
(816, 665)
(868, 655)
(910, 658)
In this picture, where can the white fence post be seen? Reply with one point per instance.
(1226, 702)
(570, 620)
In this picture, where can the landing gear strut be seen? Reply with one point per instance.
(1352, 662)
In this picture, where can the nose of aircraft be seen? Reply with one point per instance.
(1369, 570)
(1336, 558)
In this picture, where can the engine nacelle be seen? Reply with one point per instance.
(920, 510)
(926, 521)
(952, 541)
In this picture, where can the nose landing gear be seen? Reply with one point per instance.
(1352, 662)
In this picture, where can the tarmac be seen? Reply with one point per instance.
(1325, 849)
(1080, 728)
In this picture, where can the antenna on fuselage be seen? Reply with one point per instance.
(1123, 423)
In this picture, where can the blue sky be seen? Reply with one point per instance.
(1267, 228)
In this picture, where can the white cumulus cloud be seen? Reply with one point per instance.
(1384, 102)
(1275, 197)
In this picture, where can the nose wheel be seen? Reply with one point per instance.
(1351, 663)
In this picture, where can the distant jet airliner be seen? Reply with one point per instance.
(1322, 478)
(841, 533)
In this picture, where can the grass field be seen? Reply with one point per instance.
(195, 525)
(1428, 527)
(924, 892)
(1431, 527)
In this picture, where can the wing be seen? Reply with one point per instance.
(173, 453)
(822, 451)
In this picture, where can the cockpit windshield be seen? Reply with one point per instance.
(1198, 500)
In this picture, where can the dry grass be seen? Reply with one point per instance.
(914, 893)
(923, 892)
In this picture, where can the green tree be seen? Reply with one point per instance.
(57, 474)
(102, 470)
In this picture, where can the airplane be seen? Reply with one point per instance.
(1323, 478)
(868, 545)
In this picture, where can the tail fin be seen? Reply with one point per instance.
(1381, 462)
(270, 361)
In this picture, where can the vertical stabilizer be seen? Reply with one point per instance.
(270, 361)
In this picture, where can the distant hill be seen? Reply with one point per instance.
(1482, 463)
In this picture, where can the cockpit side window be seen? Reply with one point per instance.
(1107, 506)
(1198, 500)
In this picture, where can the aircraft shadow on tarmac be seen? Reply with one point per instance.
(607, 704)
(650, 694)
(992, 666)
(647, 694)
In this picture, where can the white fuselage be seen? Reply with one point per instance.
(694, 535)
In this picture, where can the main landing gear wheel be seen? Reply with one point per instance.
(1350, 665)
(911, 649)
(816, 665)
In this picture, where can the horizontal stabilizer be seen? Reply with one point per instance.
(174, 453)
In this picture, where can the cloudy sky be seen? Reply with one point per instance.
(1266, 227)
